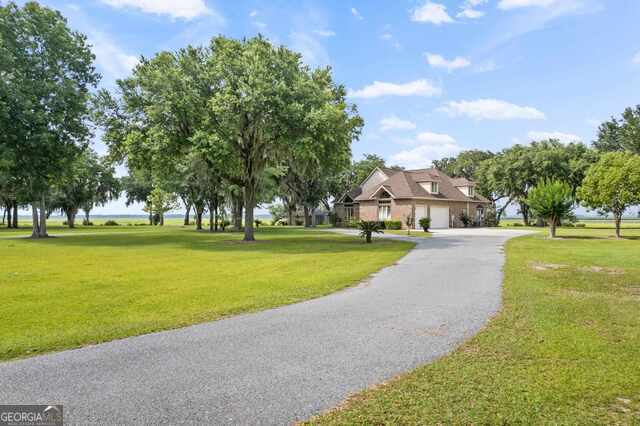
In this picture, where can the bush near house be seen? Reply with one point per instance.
(392, 224)
(425, 223)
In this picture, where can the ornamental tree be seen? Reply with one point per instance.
(552, 201)
(612, 185)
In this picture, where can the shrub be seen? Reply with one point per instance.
(581, 225)
(568, 225)
(369, 227)
(490, 217)
(65, 223)
(425, 223)
(392, 224)
(111, 223)
(517, 224)
(257, 222)
(299, 222)
(224, 224)
(86, 222)
(465, 219)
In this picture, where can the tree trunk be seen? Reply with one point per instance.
(552, 227)
(15, 214)
(618, 219)
(35, 233)
(291, 209)
(7, 213)
(524, 210)
(71, 217)
(162, 219)
(368, 237)
(87, 217)
(43, 218)
(215, 214)
(307, 221)
(238, 205)
(187, 219)
(199, 210)
(211, 220)
(249, 204)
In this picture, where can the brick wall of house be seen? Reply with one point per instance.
(400, 209)
(368, 210)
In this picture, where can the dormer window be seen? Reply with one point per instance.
(435, 188)
(472, 191)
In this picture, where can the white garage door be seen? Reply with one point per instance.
(439, 217)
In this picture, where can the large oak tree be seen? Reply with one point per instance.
(46, 73)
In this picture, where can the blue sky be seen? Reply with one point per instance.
(430, 78)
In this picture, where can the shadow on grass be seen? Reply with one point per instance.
(269, 241)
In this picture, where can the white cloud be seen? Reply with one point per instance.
(431, 146)
(435, 138)
(437, 61)
(414, 88)
(112, 61)
(386, 36)
(536, 18)
(324, 33)
(469, 10)
(253, 13)
(562, 137)
(636, 58)
(486, 66)
(470, 13)
(491, 109)
(312, 51)
(356, 14)
(433, 13)
(184, 9)
(515, 4)
(395, 123)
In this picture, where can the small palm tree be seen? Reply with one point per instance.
(369, 227)
(552, 201)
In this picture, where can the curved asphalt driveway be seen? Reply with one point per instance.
(284, 364)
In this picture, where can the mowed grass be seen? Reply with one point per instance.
(80, 289)
(403, 232)
(565, 348)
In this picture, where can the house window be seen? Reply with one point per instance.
(435, 188)
(384, 210)
(471, 191)
(348, 212)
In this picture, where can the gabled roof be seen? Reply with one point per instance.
(406, 184)
(461, 181)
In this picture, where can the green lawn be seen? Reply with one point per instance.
(565, 348)
(403, 232)
(106, 283)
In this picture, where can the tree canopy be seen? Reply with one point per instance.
(612, 185)
(46, 74)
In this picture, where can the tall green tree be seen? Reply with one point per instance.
(552, 201)
(466, 164)
(46, 75)
(620, 134)
(263, 106)
(612, 185)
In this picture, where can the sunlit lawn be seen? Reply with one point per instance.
(110, 282)
(565, 348)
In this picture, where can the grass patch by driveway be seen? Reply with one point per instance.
(565, 348)
(80, 289)
(403, 233)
